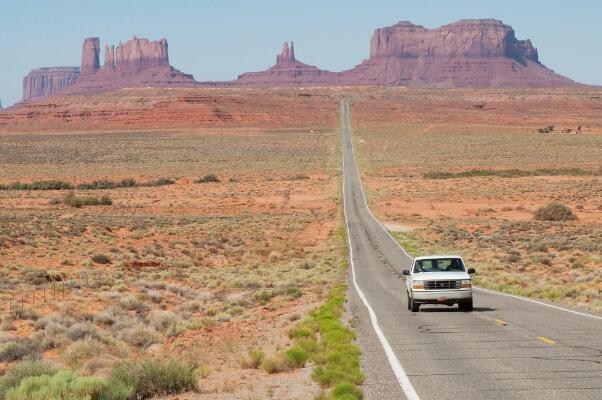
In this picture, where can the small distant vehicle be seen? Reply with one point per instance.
(439, 280)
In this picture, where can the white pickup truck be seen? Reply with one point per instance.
(439, 280)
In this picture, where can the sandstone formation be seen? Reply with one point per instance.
(43, 82)
(468, 53)
(135, 63)
(287, 72)
(90, 56)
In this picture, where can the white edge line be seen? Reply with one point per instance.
(541, 303)
(398, 370)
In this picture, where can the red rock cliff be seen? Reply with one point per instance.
(137, 54)
(48, 81)
(467, 38)
(90, 56)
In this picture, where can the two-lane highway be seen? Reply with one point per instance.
(508, 348)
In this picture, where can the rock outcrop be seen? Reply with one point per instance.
(288, 71)
(468, 53)
(43, 82)
(135, 63)
(90, 56)
(138, 54)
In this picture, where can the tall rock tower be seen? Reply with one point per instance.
(90, 56)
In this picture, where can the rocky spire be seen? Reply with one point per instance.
(287, 55)
(90, 56)
(109, 57)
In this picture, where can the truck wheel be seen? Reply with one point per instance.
(414, 307)
(465, 306)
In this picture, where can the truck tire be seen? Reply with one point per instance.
(465, 306)
(414, 307)
(409, 306)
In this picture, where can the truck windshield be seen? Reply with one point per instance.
(439, 265)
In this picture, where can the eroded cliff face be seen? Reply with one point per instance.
(468, 53)
(138, 54)
(43, 82)
(467, 38)
(136, 63)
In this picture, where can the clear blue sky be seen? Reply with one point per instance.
(218, 39)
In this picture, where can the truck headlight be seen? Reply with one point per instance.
(466, 284)
(417, 285)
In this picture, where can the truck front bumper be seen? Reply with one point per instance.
(442, 296)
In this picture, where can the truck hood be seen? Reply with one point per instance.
(435, 276)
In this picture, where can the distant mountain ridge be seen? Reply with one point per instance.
(468, 53)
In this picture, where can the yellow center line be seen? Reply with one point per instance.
(500, 322)
(546, 340)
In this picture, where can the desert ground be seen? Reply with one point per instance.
(205, 224)
(213, 243)
(465, 172)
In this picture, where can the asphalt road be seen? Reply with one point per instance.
(507, 348)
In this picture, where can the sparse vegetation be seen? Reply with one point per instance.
(511, 173)
(94, 185)
(78, 202)
(555, 212)
(209, 178)
(150, 377)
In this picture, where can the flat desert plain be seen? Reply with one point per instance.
(211, 242)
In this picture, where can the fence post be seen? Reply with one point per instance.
(44, 292)
(22, 299)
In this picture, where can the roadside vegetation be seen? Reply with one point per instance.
(94, 185)
(511, 173)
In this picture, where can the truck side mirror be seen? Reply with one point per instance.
(471, 271)
(406, 272)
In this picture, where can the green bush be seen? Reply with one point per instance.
(22, 370)
(150, 377)
(63, 385)
(555, 212)
(296, 357)
(346, 391)
(209, 178)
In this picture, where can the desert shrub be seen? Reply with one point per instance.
(209, 178)
(22, 370)
(508, 173)
(78, 202)
(296, 357)
(139, 336)
(253, 359)
(163, 320)
(100, 259)
(77, 353)
(37, 185)
(131, 303)
(81, 330)
(150, 377)
(15, 350)
(555, 212)
(64, 385)
(263, 296)
(274, 364)
(346, 391)
(298, 177)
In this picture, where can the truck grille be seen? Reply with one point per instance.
(438, 285)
